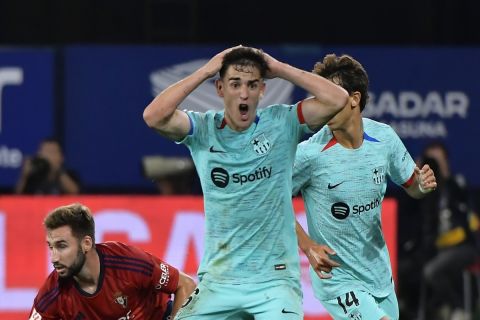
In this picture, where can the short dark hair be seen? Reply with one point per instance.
(346, 72)
(77, 216)
(245, 56)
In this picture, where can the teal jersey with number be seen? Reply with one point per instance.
(343, 190)
(246, 179)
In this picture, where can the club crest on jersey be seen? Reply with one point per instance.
(260, 144)
(121, 299)
(378, 175)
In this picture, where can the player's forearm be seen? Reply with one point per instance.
(163, 107)
(304, 241)
(325, 91)
(186, 285)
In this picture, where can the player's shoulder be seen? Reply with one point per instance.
(116, 248)
(313, 145)
(276, 110)
(378, 131)
(197, 115)
(321, 137)
(48, 295)
(51, 283)
(125, 260)
(376, 126)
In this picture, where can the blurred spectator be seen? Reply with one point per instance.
(172, 175)
(45, 172)
(447, 243)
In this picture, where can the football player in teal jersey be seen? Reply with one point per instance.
(244, 158)
(341, 172)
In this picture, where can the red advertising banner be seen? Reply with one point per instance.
(169, 227)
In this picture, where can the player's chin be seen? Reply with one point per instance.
(62, 272)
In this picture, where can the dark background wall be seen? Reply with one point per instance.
(406, 22)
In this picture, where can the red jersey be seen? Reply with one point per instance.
(133, 284)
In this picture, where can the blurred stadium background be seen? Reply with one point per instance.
(83, 71)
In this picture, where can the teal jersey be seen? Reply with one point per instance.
(246, 179)
(343, 190)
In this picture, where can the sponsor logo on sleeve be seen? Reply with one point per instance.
(164, 277)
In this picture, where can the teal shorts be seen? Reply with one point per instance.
(279, 299)
(361, 305)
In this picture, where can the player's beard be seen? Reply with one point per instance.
(76, 266)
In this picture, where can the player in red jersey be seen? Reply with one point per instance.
(103, 281)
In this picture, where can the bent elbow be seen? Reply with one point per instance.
(186, 284)
(148, 117)
(190, 284)
(152, 118)
(342, 100)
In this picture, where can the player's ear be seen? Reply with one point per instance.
(355, 98)
(262, 89)
(219, 86)
(87, 244)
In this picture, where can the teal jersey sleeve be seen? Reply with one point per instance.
(401, 165)
(246, 179)
(198, 128)
(301, 169)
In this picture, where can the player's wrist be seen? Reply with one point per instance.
(423, 190)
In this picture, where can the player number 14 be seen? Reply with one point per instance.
(350, 299)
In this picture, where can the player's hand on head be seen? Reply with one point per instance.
(319, 258)
(215, 64)
(273, 66)
(426, 179)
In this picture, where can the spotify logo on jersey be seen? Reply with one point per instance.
(340, 210)
(220, 177)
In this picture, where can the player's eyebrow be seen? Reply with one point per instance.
(57, 242)
(238, 79)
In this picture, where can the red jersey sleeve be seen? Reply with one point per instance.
(166, 276)
(157, 274)
(45, 304)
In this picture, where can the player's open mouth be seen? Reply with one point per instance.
(59, 268)
(243, 108)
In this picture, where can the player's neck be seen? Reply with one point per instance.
(88, 278)
(350, 136)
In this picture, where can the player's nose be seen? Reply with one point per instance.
(54, 256)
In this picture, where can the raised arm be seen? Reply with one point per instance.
(186, 285)
(318, 255)
(328, 98)
(162, 114)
